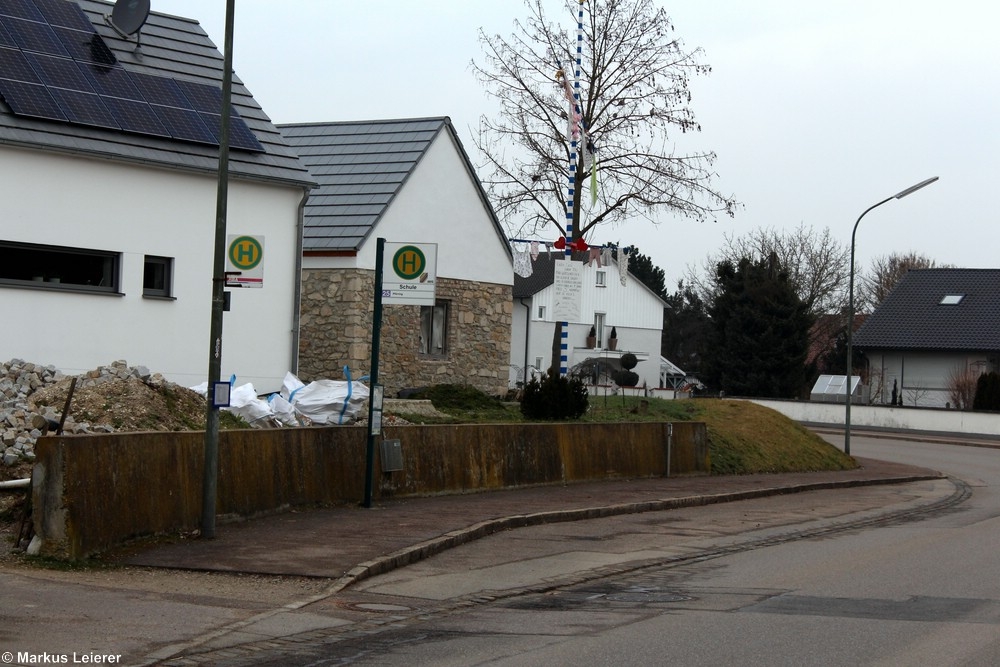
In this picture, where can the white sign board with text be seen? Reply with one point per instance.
(568, 291)
(244, 261)
(409, 273)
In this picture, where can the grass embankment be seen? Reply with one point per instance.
(743, 437)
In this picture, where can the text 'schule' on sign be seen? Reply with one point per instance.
(409, 274)
(245, 261)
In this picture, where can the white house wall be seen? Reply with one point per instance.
(82, 203)
(439, 203)
(921, 378)
(634, 311)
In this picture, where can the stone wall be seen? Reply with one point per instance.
(336, 329)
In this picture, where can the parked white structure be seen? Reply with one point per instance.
(107, 237)
(606, 302)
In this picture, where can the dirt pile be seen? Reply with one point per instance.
(117, 397)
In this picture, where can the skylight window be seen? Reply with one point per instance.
(951, 299)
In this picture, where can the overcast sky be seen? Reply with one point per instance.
(816, 110)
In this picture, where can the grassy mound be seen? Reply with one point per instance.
(743, 437)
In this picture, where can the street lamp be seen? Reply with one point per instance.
(850, 308)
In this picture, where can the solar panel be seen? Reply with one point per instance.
(14, 65)
(86, 46)
(32, 36)
(30, 99)
(201, 97)
(184, 124)
(22, 9)
(113, 81)
(54, 65)
(59, 72)
(62, 13)
(160, 90)
(135, 116)
(84, 108)
(240, 136)
(5, 38)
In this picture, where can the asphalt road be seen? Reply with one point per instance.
(897, 574)
(819, 578)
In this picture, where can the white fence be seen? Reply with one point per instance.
(888, 417)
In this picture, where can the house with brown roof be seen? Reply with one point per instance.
(933, 327)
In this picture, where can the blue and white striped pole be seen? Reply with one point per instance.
(575, 116)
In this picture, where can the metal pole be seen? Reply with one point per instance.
(373, 375)
(850, 307)
(211, 471)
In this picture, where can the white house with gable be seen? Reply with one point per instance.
(609, 298)
(110, 163)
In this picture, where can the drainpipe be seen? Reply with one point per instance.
(527, 328)
(297, 301)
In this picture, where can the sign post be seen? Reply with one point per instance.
(413, 273)
(374, 429)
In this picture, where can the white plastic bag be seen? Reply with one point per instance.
(326, 401)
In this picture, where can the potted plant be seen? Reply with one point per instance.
(592, 338)
(613, 340)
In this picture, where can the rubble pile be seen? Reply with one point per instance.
(110, 398)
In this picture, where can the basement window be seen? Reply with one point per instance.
(952, 299)
(59, 268)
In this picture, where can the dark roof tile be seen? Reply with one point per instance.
(912, 316)
(361, 167)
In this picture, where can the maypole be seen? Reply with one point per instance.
(575, 141)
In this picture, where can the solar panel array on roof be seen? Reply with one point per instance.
(54, 65)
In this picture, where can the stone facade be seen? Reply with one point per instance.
(336, 328)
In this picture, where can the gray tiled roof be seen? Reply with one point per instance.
(361, 166)
(912, 317)
(179, 48)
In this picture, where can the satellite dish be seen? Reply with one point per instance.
(128, 16)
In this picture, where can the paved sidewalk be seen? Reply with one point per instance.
(351, 543)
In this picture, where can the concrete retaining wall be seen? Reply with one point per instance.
(93, 492)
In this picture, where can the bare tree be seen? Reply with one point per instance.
(635, 100)
(962, 383)
(885, 273)
(817, 264)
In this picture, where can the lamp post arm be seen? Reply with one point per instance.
(850, 331)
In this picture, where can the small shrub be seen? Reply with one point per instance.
(554, 397)
(987, 392)
(629, 361)
(625, 378)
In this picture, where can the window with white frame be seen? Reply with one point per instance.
(59, 267)
(602, 279)
(541, 312)
(434, 329)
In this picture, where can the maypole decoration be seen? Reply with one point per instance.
(575, 132)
